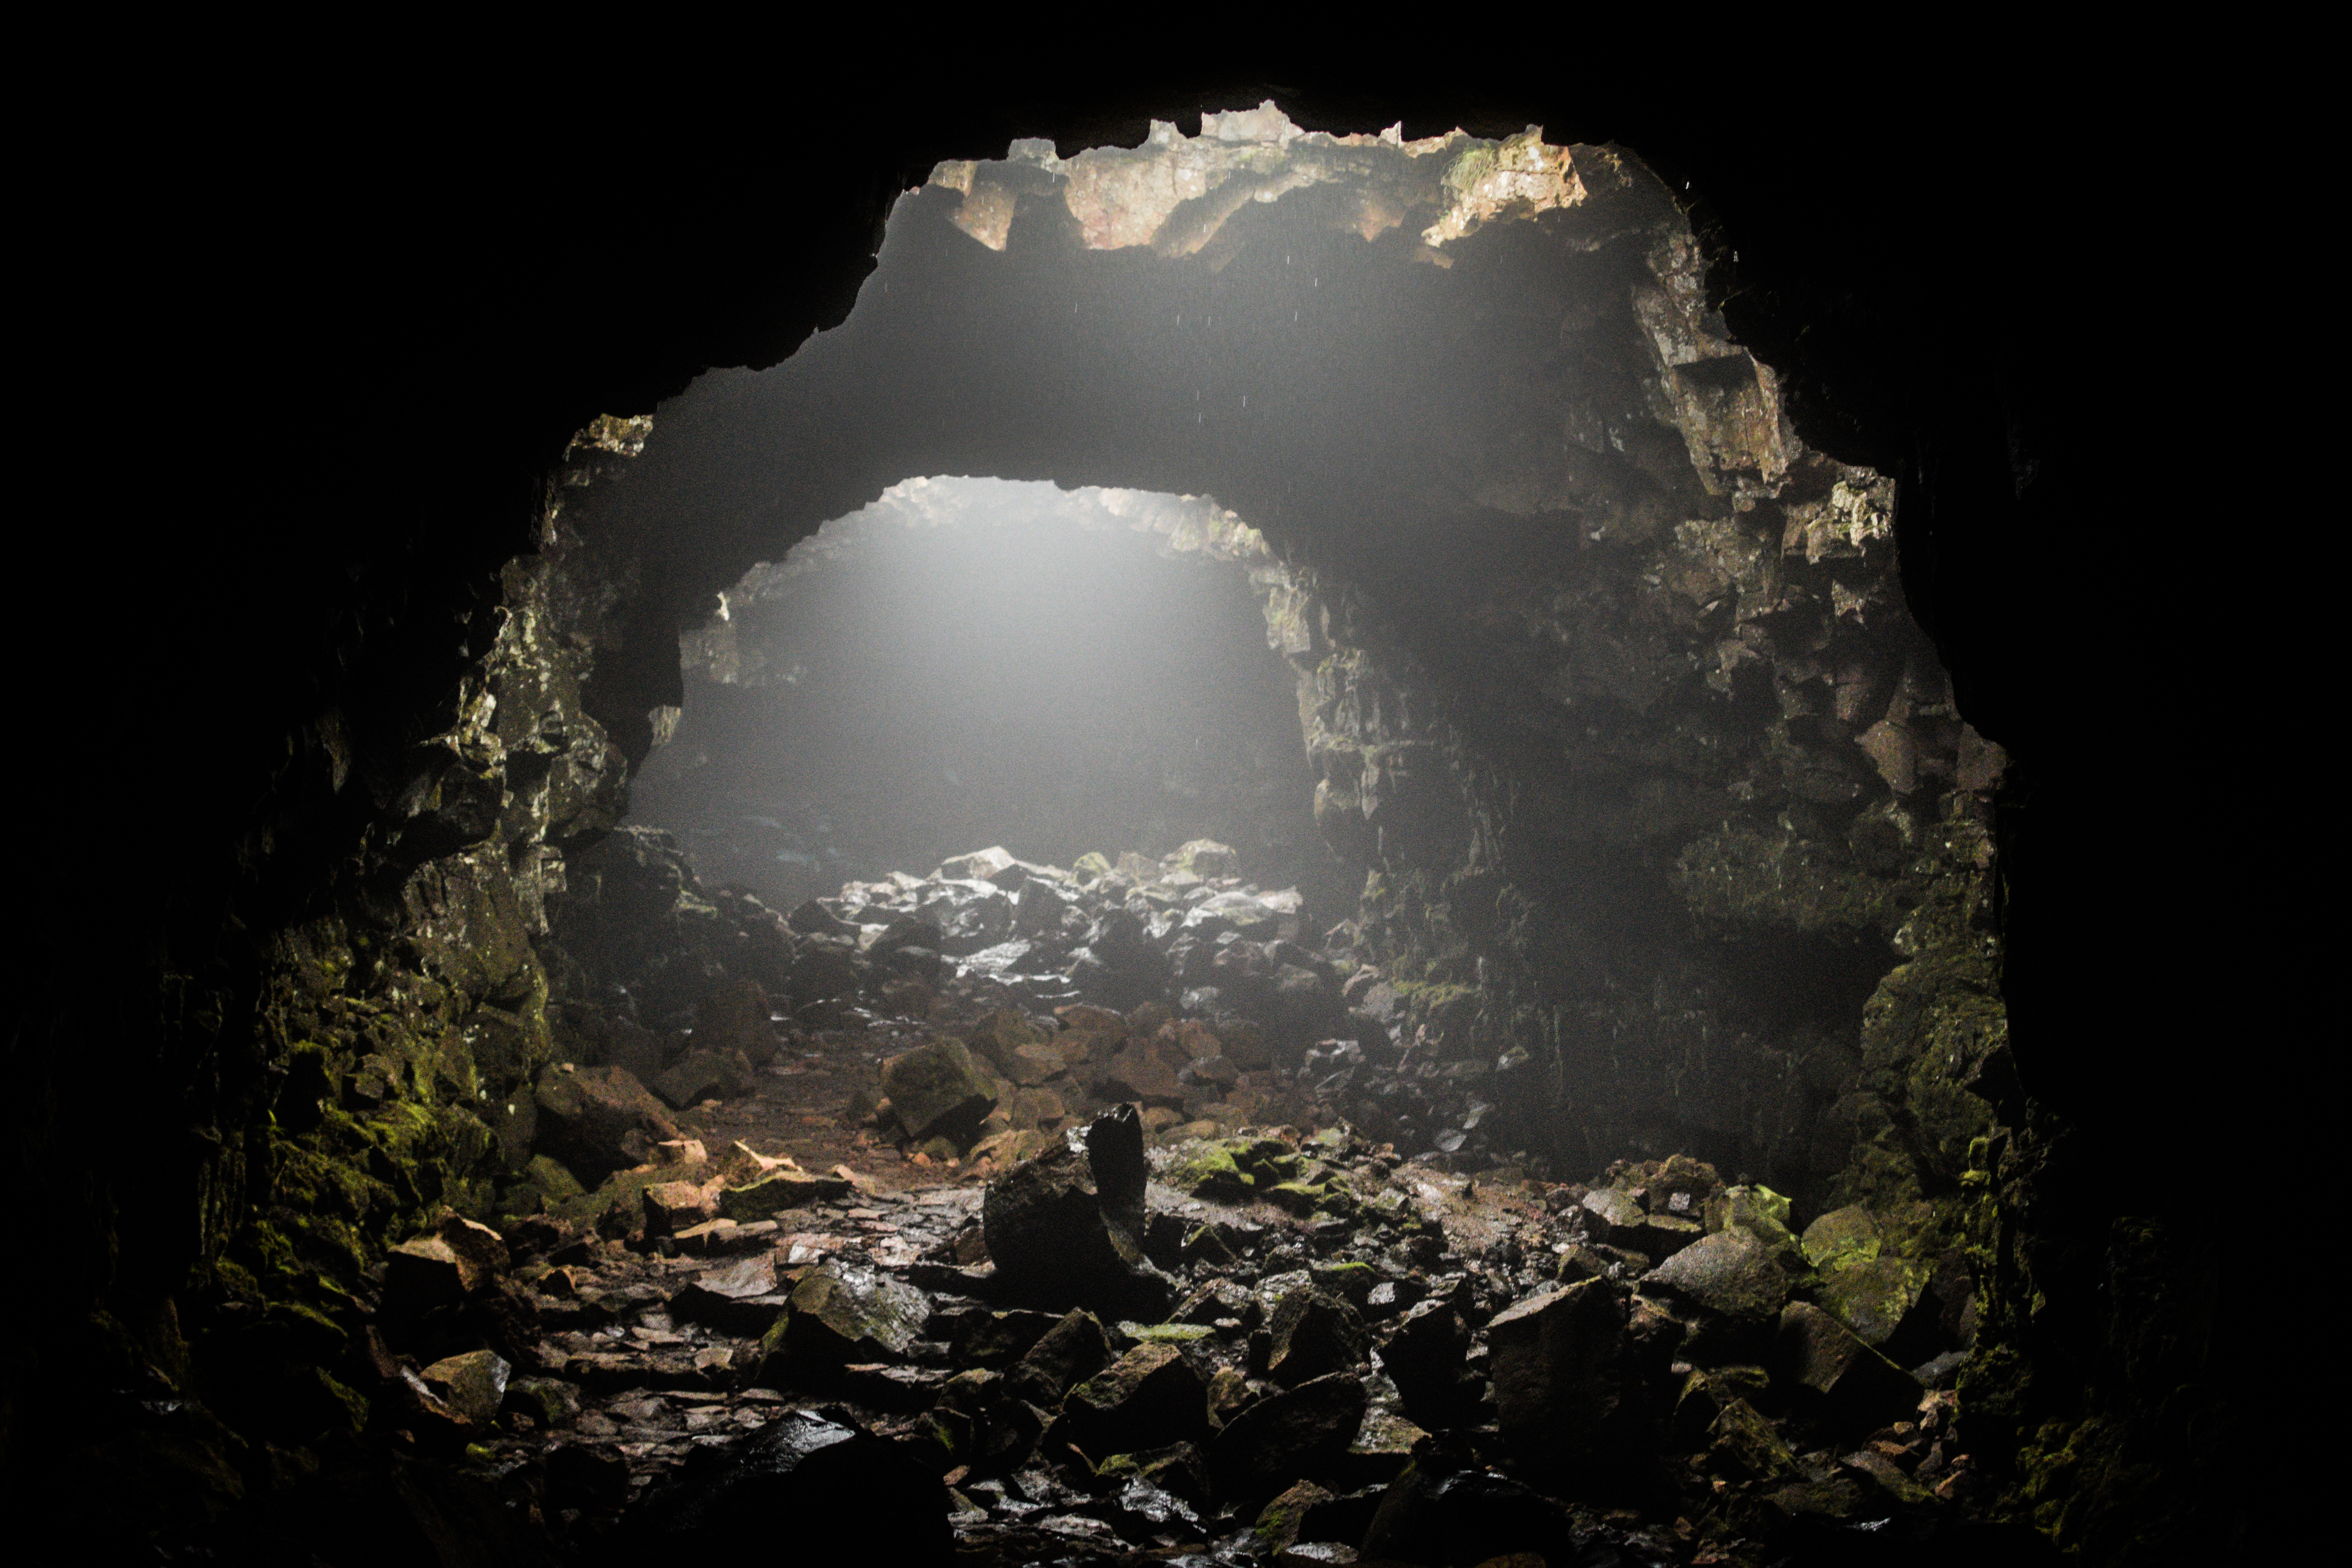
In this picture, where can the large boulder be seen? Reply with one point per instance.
(701, 1075)
(597, 1121)
(838, 1315)
(1313, 1333)
(938, 1091)
(1450, 1512)
(810, 1485)
(1565, 1388)
(1065, 1228)
(1425, 1355)
(735, 1019)
(1884, 1302)
(1849, 1385)
(1300, 1434)
(1729, 1288)
(1149, 1397)
(1073, 1349)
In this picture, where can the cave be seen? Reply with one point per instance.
(1493, 749)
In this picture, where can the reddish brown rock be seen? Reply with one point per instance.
(598, 1121)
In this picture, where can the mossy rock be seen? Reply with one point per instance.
(1872, 1296)
(1210, 1171)
(1328, 1198)
(1167, 1333)
(548, 1175)
(1842, 1236)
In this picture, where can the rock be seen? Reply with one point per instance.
(1208, 1170)
(1425, 1355)
(978, 866)
(813, 1482)
(548, 1175)
(1067, 1227)
(1703, 1396)
(1762, 1214)
(484, 1250)
(1884, 1302)
(1731, 1280)
(740, 1299)
(1281, 1522)
(978, 1337)
(1037, 1107)
(550, 1401)
(1842, 1237)
(735, 1019)
(1245, 1043)
(1205, 858)
(1149, 1397)
(674, 1207)
(421, 1275)
(813, 919)
(1029, 1066)
(1313, 1334)
(1561, 1373)
(1620, 1212)
(779, 1191)
(1855, 1389)
(1177, 1469)
(1137, 1073)
(1296, 1435)
(938, 1091)
(473, 1385)
(1447, 1511)
(600, 1120)
(701, 1075)
(1741, 1441)
(1073, 1349)
(681, 1151)
(838, 1315)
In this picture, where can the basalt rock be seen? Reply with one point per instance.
(838, 1315)
(810, 1484)
(1854, 1387)
(600, 1120)
(1565, 1381)
(1149, 1398)
(1313, 1334)
(1299, 1434)
(1067, 1226)
(1732, 1289)
(937, 1091)
(1446, 1510)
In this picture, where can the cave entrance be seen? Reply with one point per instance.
(973, 662)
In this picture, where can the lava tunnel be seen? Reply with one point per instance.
(1299, 853)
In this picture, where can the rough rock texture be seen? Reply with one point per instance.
(325, 1013)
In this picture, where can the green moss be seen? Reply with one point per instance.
(1209, 1170)
(1167, 1333)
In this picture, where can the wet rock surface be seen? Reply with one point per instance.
(1186, 1331)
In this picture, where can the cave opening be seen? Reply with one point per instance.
(970, 663)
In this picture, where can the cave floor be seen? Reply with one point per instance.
(642, 1351)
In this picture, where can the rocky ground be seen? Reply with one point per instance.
(1032, 1215)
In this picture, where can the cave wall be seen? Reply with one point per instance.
(299, 655)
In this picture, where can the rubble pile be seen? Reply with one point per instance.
(997, 1001)
(1209, 1323)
